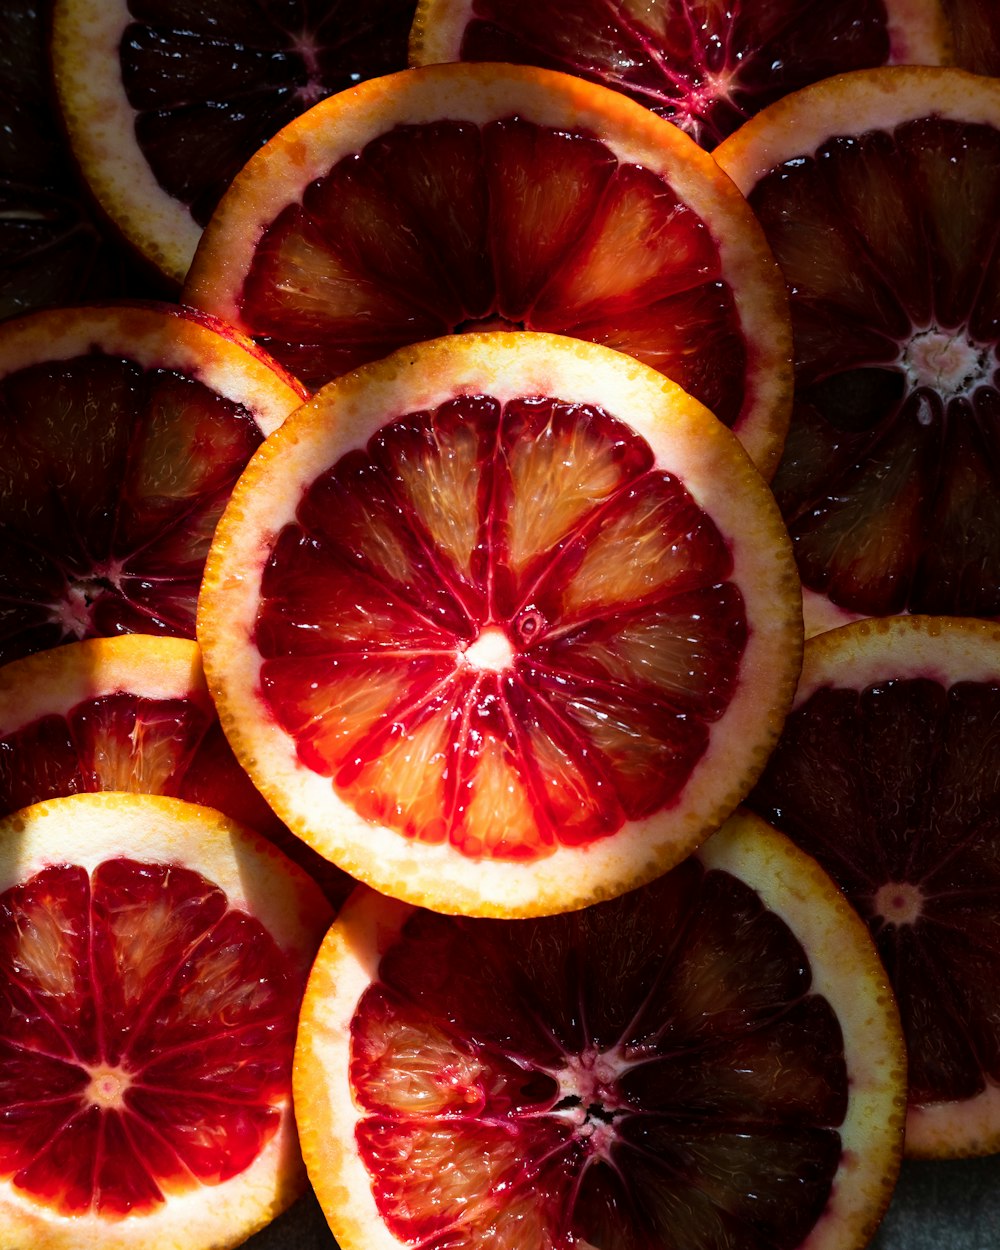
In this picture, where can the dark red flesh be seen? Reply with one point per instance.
(156, 968)
(756, 53)
(112, 479)
(55, 248)
(448, 226)
(975, 31)
(716, 1076)
(209, 85)
(899, 784)
(890, 488)
(331, 610)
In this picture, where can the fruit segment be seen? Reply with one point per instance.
(512, 611)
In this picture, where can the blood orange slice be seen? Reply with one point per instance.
(122, 430)
(152, 961)
(975, 30)
(889, 773)
(129, 713)
(165, 101)
(714, 1059)
(501, 624)
(878, 191)
(485, 196)
(706, 66)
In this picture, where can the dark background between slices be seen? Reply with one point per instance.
(953, 1205)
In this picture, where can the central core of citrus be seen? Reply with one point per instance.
(898, 902)
(107, 1087)
(946, 361)
(491, 650)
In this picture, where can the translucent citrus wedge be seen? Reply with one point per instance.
(878, 191)
(706, 66)
(164, 100)
(54, 249)
(465, 196)
(152, 960)
(502, 624)
(889, 773)
(122, 430)
(129, 713)
(712, 1060)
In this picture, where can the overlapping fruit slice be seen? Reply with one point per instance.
(878, 191)
(711, 1060)
(466, 196)
(122, 430)
(164, 101)
(53, 248)
(706, 66)
(501, 624)
(129, 713)
(152, 961)
(975, 31)
(888, 772)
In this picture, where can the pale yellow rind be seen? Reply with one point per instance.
(686, 440)
(853, 104)
(308, 147)
(157, 336)
(845, 969)
(50, 683)
(86, 829)
(100, 121)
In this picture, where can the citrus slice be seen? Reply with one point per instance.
(130, 713)
(165, 101)
(878, 191)
(714, 1059)
(122, 430)
(465, 196)
(501, 624)
(706, 66)
(153, 956)
(888, 772)
(54, 249)
(975, 31)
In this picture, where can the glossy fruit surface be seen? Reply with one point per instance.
(710, 1060)
(164, 101)
(878, 192)
(503, 623)
(887, 772)
(122, 430)
(706, 66)
(463, 197)
(129, 713)
(152, 959)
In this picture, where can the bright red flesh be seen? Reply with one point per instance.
(135, 1061)
(446, 226)
(889, 477)
(650, 1071)
(209, 86)
(112, 479)
(611, 601)
(706, 67)
(895, 791)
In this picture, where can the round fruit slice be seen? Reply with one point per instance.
(165, 101)
(714, 1059)
(153, 956)
(889, 773)
(130, 713)
(464, 196)
(708, 67)
(878, 191)
(502, 624)
(53, 248)
(122, 430)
